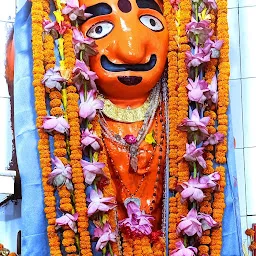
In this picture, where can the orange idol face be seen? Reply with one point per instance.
(132, 41)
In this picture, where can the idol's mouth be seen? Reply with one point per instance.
(112, 67)
(130, 80)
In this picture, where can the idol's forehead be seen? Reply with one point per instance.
(126, 4)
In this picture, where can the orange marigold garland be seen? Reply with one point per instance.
(38, 14)
(183, 16)
(209, 50)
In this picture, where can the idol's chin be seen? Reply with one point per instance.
(130, 80)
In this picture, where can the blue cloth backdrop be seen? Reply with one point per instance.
(34, 236)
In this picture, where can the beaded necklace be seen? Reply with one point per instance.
(132, 196)
(149, 117)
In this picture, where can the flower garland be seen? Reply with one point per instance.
(70, 173)
(37, 13)
(192, 81)
(208, 70)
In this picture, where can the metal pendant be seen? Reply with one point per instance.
(135, 200)
(133, 157)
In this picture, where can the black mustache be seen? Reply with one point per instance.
(110, 66)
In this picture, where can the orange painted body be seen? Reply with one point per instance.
(131, 42)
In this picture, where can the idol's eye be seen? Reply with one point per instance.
(99, 30)
(151, 22)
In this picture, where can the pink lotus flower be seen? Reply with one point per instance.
(216, 44)
(196, 90)
(54, 27)
(207, 221)
(214, 139)
(61, 174)
(137, 222)
(130, 139)
(190, 225)
(68, 219)
(194, 154)
(200, 56)
(99, 203)
(195, 123)
(88, 108)
(58, 124)
(210, 4)
(53, 78)
(208, 181)
(49, 25)
(183, 251)
(83, 74)
(78, 37)
(213, 90)
(74, 11)
(91, 170)
(191, 190)
(90, 139)
(105, 235)
(86, 45)
(198, 30)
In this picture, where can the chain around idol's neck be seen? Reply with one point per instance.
(129, 114)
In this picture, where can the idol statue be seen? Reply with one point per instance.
(132, 45)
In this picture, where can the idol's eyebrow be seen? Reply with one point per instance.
(150, 4)
(98, 9)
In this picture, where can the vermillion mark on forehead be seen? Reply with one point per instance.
(124, 6)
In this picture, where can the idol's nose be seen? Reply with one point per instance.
(130, 47)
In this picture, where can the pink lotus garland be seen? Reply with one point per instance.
(201, 95)
(194, 154)
(84, 79)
